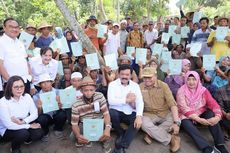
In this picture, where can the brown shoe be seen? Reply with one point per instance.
(148, 139)
(175, 143)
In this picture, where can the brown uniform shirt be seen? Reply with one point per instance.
(158, 99)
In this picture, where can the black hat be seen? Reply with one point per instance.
(92, 17)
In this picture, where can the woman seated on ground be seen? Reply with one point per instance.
(176, 81)
(17, 115)
(196, 105)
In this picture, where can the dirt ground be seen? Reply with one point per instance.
(55, 145)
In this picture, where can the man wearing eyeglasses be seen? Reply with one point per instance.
(13, 54)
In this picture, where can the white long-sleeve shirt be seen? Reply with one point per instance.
(39, 68)
(117, 97)
(24, 109)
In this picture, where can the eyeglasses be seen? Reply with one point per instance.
(13, 27)
(19, 87)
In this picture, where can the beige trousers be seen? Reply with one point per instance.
(158, 128)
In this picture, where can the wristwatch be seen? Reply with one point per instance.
(109, 125)
(177, 122)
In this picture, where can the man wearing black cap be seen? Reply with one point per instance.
(91, 32)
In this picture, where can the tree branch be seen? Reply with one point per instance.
(86, 42)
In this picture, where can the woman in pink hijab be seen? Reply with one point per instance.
(196, 105)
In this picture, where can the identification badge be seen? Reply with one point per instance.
(96, 106)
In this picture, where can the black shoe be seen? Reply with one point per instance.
(118, 141)
(208, 149)
(221, 149)
(120, 150)
(16, 151)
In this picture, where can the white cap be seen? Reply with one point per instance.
(44, 77)
(116, 24)
(123, 21)
(188, 46)
(76, 75)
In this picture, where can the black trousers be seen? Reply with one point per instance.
(226, 124)
(127, 136)
(17, 137)
(197, 137)
(58, 119)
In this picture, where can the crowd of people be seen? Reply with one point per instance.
(141, 96)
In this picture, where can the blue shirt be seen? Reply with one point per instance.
(44, 42)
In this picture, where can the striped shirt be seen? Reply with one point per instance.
(82, 109)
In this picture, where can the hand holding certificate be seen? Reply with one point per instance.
(101, 30)
(93, 129)
(129, 51)
(209, 62)
(26, 39)
(92, 61)
(156, 49)
(60, 68)
(68, 97)
(221, 33)
(184, 31)
(76, 48)
(165, 57)
(141, 54)
(196, 17)
(165, 38)
(195, 49)
(49, 102)
(180, 3)
(60, 44)
(111, 61)
(176, 39)
(175, 67)
(172, 29)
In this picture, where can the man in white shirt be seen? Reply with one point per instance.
(112, 44)
(125, 106)
(150, 35)
(123, 35)
(13, 54)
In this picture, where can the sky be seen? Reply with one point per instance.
(173, 9)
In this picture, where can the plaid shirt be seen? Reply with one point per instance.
(223, 97)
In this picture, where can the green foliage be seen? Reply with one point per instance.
(35, 11)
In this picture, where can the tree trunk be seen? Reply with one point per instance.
(102, 10)
(118, 11)
(86, 42)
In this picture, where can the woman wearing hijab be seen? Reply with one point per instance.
(176, 81)
(217, 78)
(58, 33)
(70, 38)
(196, 105)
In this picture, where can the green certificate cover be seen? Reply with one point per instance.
(49, 102)
(93, 129)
